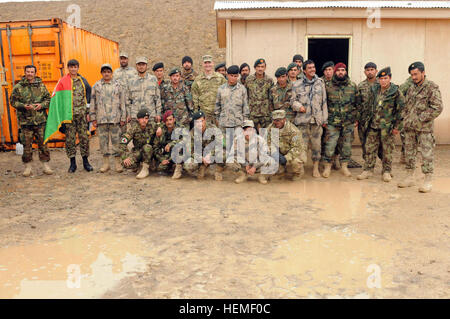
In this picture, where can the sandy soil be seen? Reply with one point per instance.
(108, 235)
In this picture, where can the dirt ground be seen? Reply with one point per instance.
(94, 235)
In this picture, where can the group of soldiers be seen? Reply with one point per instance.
(139, 113)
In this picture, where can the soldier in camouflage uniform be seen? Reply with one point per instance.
(231, 106)
(124, 75)
(423, 104)
(158, 71)
(142, 133)
(244, 71)
(80, 98)
(309, 101)
(291, 148)
(143, 92)
(108, 114)
(162, 145)
(258, 87)
(328, 71)
(298, 59)
(204, 89)
(280, 94)
(175, 96)
(293, 72)
(342, 102)
(31, 100)
(188, 75)
(202, 159)
(222, 69)
(386, 103)
(404, 88)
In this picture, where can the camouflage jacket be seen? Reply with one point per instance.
(188, 77)
(291, 143)
(80, 96)
(406, 85)
(342, 101)
(423, 104)
(140, 137)
(255, 152)
(204, 92)
(231, 105)
(385, 108)
(258, 95)
(325, 79)
(280, 99)
(364, 108)
(312, 96)
(25, 93)
(179, 100)
(108, 103)
(160, 143)
(143, 92)
(125, 75)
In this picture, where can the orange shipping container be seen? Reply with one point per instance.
(47, 44)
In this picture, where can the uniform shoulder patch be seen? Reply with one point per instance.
(124, 140)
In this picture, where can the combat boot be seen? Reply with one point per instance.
(344, 170)
(218, 174)
(86, 164)
(426, 186)
(178, 171)
(409, 179)
(119, 167)
(386, 177)
(241, 178)
(316, 172)
(144, 171)
(327, 171)
(105, 166)
(262, 179)
(27, 171)
(47, 169)
(73, 165)
(201, 172)
(364, 175)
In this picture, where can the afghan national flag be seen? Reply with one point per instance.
(60, 107)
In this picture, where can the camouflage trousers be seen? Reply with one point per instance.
(312, 135)
(137, 156)
(294, 167)
(107, 132)
(423, 142)
(331, 141)
(192, 166)
(362, 133)
(402, 138)
(164, 168)
(376, 138)
(34, 131)
(261, 121)
(78, 126)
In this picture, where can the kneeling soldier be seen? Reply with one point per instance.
(142, 134)
(162, 145)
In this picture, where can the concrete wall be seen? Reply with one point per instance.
(397, 43)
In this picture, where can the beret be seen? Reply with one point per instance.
(234, 69)
(143, 113)
(258, 62)
(173, 71)
(327, 65)
(280, 71)
(167, 114)
(384, 72)
(197, 115)
(292, 65)
(157, 66)
(220, 65)
(297, 57)
(416, 65)
(339, 66)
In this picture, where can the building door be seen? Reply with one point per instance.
(322, 49)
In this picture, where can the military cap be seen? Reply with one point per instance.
(141, 59)
(143, 113)
(278, 114)
(416, 65)
(243, 65)
(370, 65)
(167, 114)
(220, 65)
(340, 65)
(292, 65)
(234, 69)
(384, 72)
(280, 71)
(258, 62)
(123, 54)
(173, 71)
(186, 59)
(73, 62)
(207, 58)
(106, 66)
(327, 65)
(157, 66)
(197, 115)
(297, 57)
(248, 123)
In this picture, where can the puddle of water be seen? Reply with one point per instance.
(331, 263)
(82, 263)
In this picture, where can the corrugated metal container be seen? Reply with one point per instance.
(47, 44)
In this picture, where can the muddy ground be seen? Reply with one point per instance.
(111, 236)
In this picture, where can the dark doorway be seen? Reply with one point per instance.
(327, 49)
